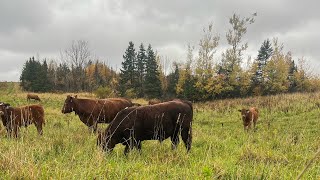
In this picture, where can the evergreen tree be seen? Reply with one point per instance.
(140, 65)
(293, 69)
(44, 77)
(265, 52)
(152, 81)
(63, 72)
(34, 76)
(173, 80)
(127, 74)
(276, 71)
(186, 83)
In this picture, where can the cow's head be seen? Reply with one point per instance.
(244, 113)
(69, 104)
(3, 107)
(105, 141)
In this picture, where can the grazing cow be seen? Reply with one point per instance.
(153, 122)
(94, 111)
(154, 101)
(33, 96)
(14, 118)
(248, 116)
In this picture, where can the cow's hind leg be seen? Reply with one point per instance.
(15, 131)
(186, 135)
(39, 127)
(254, 126)
(175, 139)
(93, 127)
(127, 149)
(138, 146)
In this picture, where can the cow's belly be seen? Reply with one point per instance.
(158, 133)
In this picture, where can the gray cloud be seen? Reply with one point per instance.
(46, 28)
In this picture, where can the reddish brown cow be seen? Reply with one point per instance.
(248, 116)
(153, 122)
(94, 111)
(154, 101)
(14, 118)
(33, 96)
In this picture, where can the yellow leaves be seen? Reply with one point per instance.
(181, 81)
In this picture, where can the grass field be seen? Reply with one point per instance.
(287, 137)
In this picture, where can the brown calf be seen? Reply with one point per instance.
(33, 96)
(248, 116)
(14, 118)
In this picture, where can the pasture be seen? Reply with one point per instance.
(287, 137)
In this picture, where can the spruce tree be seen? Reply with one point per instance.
(152, 80)
(63, 73)
(25, 76)
(173, 80)
(34, 76)
(265, 52)
(140, 67)
(293, 69)
(46, 86)
(127, 74)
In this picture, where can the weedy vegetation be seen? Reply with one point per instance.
(286, 138)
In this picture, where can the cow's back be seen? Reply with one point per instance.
(29, 113)
(112, 106)
(255, 113)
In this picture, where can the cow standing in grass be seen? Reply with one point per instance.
(14, 118)
(153, 122)
(249, 116)
(33, 96)
(94, 111)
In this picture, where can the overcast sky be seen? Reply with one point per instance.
(43, 28)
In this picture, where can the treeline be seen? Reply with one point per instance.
(40, 76)
(203, 75)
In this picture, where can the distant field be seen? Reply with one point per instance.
(288, 135)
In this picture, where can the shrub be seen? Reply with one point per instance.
(104, 92)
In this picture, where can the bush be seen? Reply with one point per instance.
(130, 93)
(104, 92)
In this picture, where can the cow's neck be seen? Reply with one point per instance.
(76, 106)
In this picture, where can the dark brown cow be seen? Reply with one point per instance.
(33, 96)
(248, 116)
(154, 101)
(14, 118)
(153, 122)
(93, 111)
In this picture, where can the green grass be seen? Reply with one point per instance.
(287, 136)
